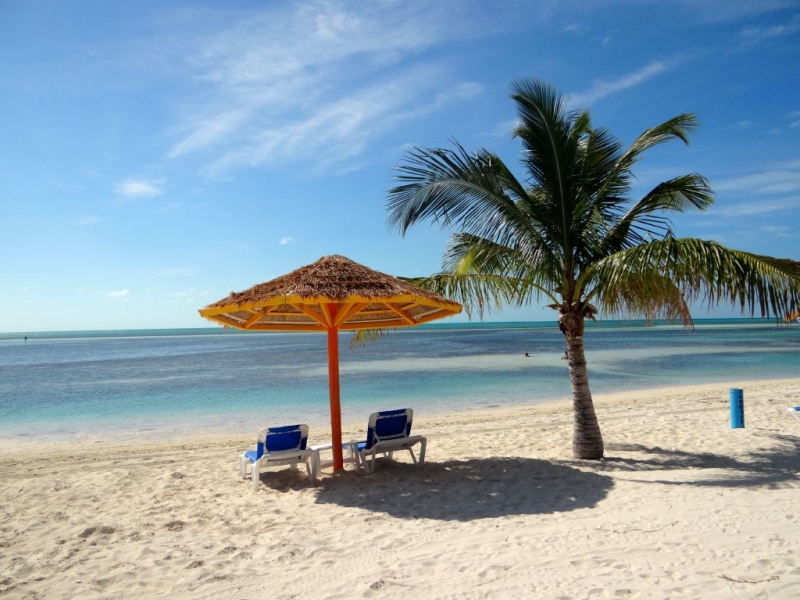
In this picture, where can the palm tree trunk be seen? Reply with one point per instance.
(587, 441)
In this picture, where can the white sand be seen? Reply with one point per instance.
(682, 507)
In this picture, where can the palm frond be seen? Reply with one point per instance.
(550, 138)
(479, 294)
(679, 127)
(448, 186)
(705, 271)
(365, 337)
(467, 253)
(643, 293)
(641, 221)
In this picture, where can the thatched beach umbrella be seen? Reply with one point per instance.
(330, 295)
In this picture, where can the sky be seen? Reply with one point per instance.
(158, 155)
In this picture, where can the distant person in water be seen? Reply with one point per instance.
(528, 355)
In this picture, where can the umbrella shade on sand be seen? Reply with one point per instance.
(331, 295)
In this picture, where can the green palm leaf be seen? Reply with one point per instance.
(572, 235)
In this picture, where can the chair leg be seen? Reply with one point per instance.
(423, 443)
(358, 461)
(311, 472)
(255, 475)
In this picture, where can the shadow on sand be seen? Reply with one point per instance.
(467, 490)
(769, 466)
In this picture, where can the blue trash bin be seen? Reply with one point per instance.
(737, 408)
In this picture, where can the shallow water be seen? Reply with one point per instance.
(80, 385)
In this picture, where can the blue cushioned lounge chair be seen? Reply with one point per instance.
(277, 446)
(390, 430)
(795, 410)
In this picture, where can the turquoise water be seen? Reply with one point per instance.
(78, 385)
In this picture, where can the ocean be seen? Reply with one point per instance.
(166, 383)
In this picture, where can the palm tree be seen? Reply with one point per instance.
(569, 233)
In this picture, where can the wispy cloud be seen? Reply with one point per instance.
(756, 207)
(716, 11)
(779, 231)
(774, 189)
(603, 89)
(138, 188)
(286, 240)
(576, 28)
(762, 32)
(795, 119)
(773, 181)
(86, 221)
(119, 294)
(317, 79)
(186, 296)
(338, 130)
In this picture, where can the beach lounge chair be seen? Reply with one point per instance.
(795, 410)
(388, 431)
(277, 446)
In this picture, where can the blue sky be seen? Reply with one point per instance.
(158, 155)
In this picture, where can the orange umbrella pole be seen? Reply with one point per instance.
(336, 411)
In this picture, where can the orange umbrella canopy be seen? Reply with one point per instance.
(302, 300)
(329, 295)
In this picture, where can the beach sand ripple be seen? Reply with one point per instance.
(681, 507)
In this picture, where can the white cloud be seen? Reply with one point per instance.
(318, 79)
(760, 32)
(774, 189)
(85, 221)
(607, 39)
(461, 91)
(795, 117)
(207, 130)
(755, 207)
(603, 89)
(731, 10)
(286, 240)
(576, 28)
(335, 131)
(778, 231)
(138, 188)
(187, 296)
(776, 181)
(119, 294)
(181, 294)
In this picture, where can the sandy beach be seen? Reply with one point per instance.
(681, 507)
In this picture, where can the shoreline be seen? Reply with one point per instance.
(206, 438)
(681, 506)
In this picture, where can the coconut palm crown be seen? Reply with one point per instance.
(570, 234)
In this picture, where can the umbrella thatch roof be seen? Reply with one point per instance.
(332, 292)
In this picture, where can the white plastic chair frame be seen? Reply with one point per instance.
(386, 440)
(271, 451)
